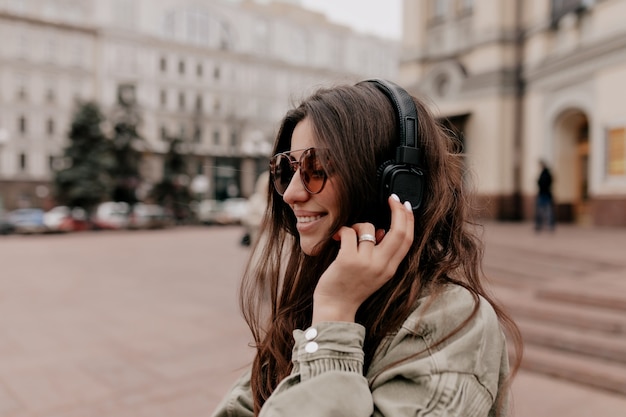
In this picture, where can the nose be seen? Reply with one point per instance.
(295, 192)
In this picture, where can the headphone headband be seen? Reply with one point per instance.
(407, 151)
(403, 175)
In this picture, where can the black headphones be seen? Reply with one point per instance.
(403, 175)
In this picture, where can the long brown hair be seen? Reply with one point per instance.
(357, 124)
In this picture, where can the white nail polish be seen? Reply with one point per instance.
(408, 206)
(395, 197)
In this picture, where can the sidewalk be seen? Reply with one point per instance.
(146, 323)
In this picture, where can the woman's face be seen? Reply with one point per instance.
(315, 213)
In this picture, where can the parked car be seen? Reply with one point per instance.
(207, 211)
(6, 227)
(65, 219)
(111, 215)
(27, 220)
(232, 211)
(149, 216)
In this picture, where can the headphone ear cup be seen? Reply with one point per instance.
(405, 181)
(383, 184)
(382, 216)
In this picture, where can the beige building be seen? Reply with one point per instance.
(220, 74)
(524, 81)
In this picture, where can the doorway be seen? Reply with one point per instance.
(571, 170)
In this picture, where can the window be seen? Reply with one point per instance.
(198, 23)
(562, 7)
(50, 95)
(22, 45)
(50, 126)
(163, 98)
(181, 67)
(163, 133)
(169, 25)
(21, 122)
(163, 64)
(199, 70)
(261, 35)
(197, 135)
(126, 94)
(181, 100)
(438, 10)
(17, 6)
(199, 103)
(216, 73)
(465, 7)
(226, 36)
(22, 162)
(51, 50)
(22, 87)
(616, 151)
(78, 54)
(216, 137)
(233, 139)
(124, 13)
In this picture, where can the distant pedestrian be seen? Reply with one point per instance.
(364, 293)
(257, 203)
(544, 210)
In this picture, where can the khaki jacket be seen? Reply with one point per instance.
(460, 377)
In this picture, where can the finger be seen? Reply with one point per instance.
(348, 240)
(366, 237)
(400, 235)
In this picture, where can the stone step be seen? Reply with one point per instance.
(604, 298)
(609, 376)
(608, 347)
(568, 315)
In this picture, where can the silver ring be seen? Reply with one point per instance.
(367, 238)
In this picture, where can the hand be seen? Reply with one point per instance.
(361, 268)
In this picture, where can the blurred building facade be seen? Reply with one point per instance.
(219, 74)
(523, 81)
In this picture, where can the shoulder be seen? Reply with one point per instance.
(454, 307)
(452, 331)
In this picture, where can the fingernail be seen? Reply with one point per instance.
(408, 206)
(395, 197)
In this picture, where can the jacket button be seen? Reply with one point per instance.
(311, 347)
(311, 333)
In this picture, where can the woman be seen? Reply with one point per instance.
(352, 319)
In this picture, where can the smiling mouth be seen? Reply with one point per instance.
(309, 219)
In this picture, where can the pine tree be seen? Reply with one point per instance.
(172, 192)
(85, 180)
(127, 147)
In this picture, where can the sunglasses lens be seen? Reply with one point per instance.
(312, 172)
(282, 172)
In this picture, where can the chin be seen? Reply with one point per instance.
(310, 248)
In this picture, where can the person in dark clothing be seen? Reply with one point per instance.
(544, 212)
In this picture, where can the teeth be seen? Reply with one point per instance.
(308, 219)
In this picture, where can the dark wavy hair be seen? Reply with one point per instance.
(358, 125)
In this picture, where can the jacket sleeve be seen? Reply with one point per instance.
(238, 402)
(327, 377)
(326, 380)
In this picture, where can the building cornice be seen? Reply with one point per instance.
(588, 58)
(421, 56)
(88, 30)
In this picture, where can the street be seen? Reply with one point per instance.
(146, 323)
